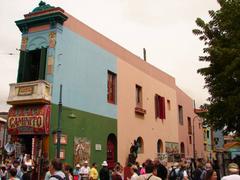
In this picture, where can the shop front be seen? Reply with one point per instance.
(29, 126)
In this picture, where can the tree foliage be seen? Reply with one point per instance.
(221, 36)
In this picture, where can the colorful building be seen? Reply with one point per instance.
(208, 143)
(3, 133)
(110, 96)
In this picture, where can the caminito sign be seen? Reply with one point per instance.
(29, 120)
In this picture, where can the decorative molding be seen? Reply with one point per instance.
(38, 42)
(51, 18)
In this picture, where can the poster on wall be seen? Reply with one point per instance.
(82, 149)
(172, 150)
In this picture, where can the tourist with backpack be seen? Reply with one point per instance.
(55, 169)
(173, 173)
(197, 173)
(182, 173)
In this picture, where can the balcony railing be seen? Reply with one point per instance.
(32, 92)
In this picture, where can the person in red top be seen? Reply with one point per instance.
(116, 173)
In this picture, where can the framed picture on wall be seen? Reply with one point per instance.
(63, 139)
(62, 154)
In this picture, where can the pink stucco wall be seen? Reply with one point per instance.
(188, 111)
(131, 126)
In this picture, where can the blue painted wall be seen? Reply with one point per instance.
(81, 67)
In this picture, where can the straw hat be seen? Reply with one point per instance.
(233, 167)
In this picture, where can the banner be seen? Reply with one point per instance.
(29, 120)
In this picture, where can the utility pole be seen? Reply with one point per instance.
(59, 131)
(194, 154)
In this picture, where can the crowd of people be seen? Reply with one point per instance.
(149, 170)
(17, 169)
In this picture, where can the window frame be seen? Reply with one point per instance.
(139, 94)
(111, 87)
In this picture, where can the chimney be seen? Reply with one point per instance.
(144, 54)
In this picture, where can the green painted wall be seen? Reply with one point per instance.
(94, 127)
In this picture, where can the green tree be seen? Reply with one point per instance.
(221, 36)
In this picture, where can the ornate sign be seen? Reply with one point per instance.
(29, 120)
(25, 90)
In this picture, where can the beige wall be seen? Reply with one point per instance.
(131, 126)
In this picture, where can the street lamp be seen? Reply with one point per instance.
(194, 154)
(59, 130)
(197, 111)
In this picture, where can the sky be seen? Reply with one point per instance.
(163, 28)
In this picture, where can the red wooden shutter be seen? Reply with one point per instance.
(159, 106)
(163, 108)
(156, 106)
(108, 88)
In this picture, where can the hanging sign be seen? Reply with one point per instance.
(29, 120)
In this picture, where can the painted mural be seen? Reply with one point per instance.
(172, 148)
(82, 149)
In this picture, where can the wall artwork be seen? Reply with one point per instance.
(82, 149)
(52, 39)
(24, 43)
(172, 148)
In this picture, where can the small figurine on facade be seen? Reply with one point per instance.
(133, 152)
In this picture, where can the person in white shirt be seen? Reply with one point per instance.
(84, 171)
(134, 171)
(151, 171)
(28, 161)
(233, 170)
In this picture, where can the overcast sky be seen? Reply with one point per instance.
(163, 27)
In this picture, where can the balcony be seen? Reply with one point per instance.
(140, 111)
(32, 92)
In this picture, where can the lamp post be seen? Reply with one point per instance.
(59, 131)
(194, 154)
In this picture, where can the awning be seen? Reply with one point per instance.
(32, 119)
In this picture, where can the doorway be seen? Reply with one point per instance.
(111, 150)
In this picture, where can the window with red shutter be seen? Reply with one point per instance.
(156, 106)
(160, 107)
(163, 108)
(111, 88)
(180, 114)
(138, 96)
